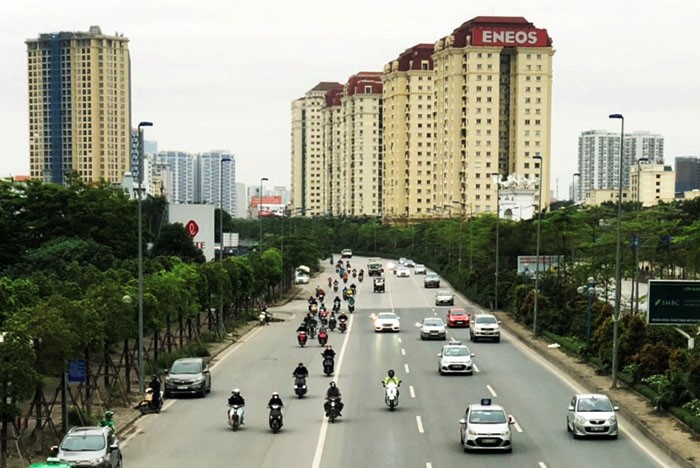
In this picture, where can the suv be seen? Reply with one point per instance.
(189, 376)
(379, 284)
(485, 326)
(90, 447)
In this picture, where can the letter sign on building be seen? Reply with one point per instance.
(500, 37)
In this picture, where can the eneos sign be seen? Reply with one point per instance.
(510, 37)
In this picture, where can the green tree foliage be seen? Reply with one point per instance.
(174, 241)
(652, 359)
(17, 373)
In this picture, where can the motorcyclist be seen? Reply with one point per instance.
(236, 399)
(391, 378)
(330, 281)
(328, 352)
(301, 371)
(303, 327)
(332, 321)
(154, 385)
(333, 392)
(342, 317)
(312, 300)
(108, 420)
(275, 400)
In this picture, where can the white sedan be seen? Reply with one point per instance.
(403, 272)
(386, 322)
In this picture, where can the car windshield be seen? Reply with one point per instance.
(387, 316)
(186, 367)
(433, 322)
(83, 443)
(457, 312)
(590, 405)
(487, 417)
(486, 319)
(432, 276)
(444, 293)
(461, 351)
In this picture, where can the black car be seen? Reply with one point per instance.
(379, 285)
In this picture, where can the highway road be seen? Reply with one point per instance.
(423, 432)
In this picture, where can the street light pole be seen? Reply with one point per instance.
(618, 271)
(140, 238)
(591, 291)
(498, 216)
(220, 317)
(262, 179)
(537, 254)
(635, 244)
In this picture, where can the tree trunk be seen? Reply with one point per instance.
(181, 330)
(127, 365)
(168, 336)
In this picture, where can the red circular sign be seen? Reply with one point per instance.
(192, 228)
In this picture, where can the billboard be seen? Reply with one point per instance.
(673, 302)
(527, 264)
(507, 37)
(199, 223)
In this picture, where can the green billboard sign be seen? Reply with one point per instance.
(673, 302)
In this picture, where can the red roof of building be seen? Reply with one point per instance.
(358, 82)
(412, 57)
(333, 96)
(509, 22)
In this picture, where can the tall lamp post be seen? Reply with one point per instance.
(220, 316)
(262, 179)
(497, 179)
(140, 237)
(573, 185)
(618, 271)
(537, 254)
(635, 241)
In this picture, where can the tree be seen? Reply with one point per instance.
(174, 241)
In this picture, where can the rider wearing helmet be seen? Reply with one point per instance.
(328, 352)
(301, 371)
(237, 399)
(333, 392)
(391, 377)
(154, 385)
(275, 400)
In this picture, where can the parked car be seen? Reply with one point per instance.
(432, 280)
(485, 327)
(419, 269)
(301, 278)
(90, 446)
(457, 318)
(455, 358)
(188, 376)
(486, 427)
(432, 328)
(591, 414)
(386, 321)
(379, 284)
(444, 297)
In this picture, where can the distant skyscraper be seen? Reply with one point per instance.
(687, 173)
(180, 186)
(599, 156)
(241, 201)
(211, 169)
(79, 106)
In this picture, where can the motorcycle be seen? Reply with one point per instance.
(313, 308)
(263, 319)
(328, 365)
(330, 281)
(360, 277)
(391, 395)
(351, 305)
(312, 329)
(333, 409)
(146, 405)
(275, 418)
(324, 317)
(322, 337)
(235, 417)
(300, 386)
(335, 287)
(342, 326)
(301, 338)
(331, 324)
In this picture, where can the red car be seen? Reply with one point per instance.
(457, 317)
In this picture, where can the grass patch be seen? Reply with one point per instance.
(571, 345)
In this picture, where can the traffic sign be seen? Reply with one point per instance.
(77, 371)
(673, 302)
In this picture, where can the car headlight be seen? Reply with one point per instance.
(98, 461)
(612, 420)
(471, 432)
(199, 379)
(506, 433)
(580, 420)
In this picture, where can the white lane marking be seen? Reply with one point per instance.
(419, 423)
(403, 352)
(399, 338)
(476, 369)
(490, 389)
(412, 390)
(324, 425)
(428, 465)
(515, 424)
(542, 465)
(405, 366)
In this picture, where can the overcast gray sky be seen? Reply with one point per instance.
(221, 74)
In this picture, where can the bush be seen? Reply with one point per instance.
(197, 349)
(689, 418)
(652, 359)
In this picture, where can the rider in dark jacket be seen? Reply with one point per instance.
(333, 392)
(275, 400)
(155, 386)
(300, 371)
(328, 352)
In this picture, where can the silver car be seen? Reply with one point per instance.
(188, 376)
(486, 427)
(432, 328)
(591, 414)
(419, 269)
(444, 297)
(90, 446)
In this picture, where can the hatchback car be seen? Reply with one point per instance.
(591, 414)
(484, 327)
(409, 263)
(457, 318)
(432, 328)
(455, 358)
(346, 253)
(486, 427)
(386, 322)
(90, 446)
(403, 272)
(419, 269)
(444, 297)
(188, 376)
(431, 280)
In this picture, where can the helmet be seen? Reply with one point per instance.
(236, 391)
(275, 394)
(391, 372)
(154, 377)
(301, 364)
(329, 347)
(332, 384)
(109, 414)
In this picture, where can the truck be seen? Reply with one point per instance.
(375, 267)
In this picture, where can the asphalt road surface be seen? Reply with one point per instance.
(423, 432)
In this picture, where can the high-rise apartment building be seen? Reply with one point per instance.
(492, 110)
(652, 183)
(182, 187)
(79, 106)
(216, 181)
(687, 173)
(308, 156)
(599, 158)
(408, 134)
(334, 143)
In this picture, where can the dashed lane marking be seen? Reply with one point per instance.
(419, 423)
(490, 389)
(412, 390)
(408, 371)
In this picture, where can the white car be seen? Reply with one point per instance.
(432, 327)
(444, 297)
(455, 358)
(592, 414)
(403, 272)
(485, 327)
(419, 269)
(386, 322)
(486, 427)
(301, 278)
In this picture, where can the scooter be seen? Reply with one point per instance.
(328, 365)
(331, 323)
(342, 326)
(263, 319)
(333, 409)
(235, 417)
(146, 405)
(275, 418)
(300, 386)
(322, 337)
(391, 395)
(351, 307)
(301, 338)
(335, 287)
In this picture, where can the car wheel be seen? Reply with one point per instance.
(470, 373)
(466, 449)
(614, 437)
(509, 450)
(568, 428)
(498, 340)
(444, 337)
(422, 338)
(119, 462)
(167, 394)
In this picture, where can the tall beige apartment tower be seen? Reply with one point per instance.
(334, 142)
(79, 106)
(408, 134)
(309, 163)
(361, 162)
(493, 98)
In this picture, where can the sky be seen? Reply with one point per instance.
(221, 74)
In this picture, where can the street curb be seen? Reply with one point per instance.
(531, 342)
